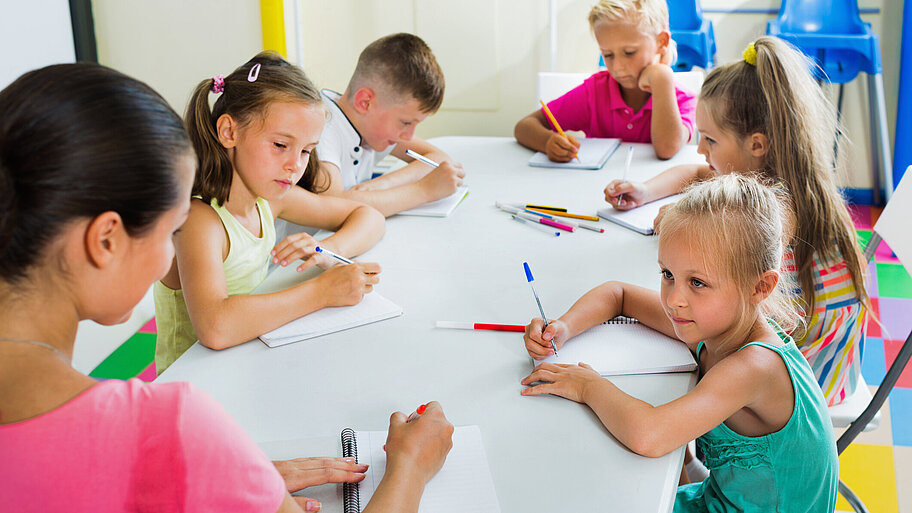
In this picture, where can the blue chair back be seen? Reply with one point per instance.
(820, 17)
(832, 33)
(685, 15)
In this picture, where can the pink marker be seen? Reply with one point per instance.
(555, 224)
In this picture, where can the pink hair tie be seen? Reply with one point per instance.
(218, 84)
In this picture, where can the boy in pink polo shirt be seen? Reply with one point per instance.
(636, 99)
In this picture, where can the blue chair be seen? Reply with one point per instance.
(831, 32)
(693, 35)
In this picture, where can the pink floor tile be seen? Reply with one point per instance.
(148, 375)
(861, 215)
(150, 327)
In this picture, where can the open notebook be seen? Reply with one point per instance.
(440, 208)
(624, 346)
(593, 153)
(372, 308)
(639, 219)
(464, 484)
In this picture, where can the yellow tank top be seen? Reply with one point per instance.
(245, 268)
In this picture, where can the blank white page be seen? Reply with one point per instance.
(464, 484)
(593, 153)
(440, 208)
(372, 308)
(639, 219)
(616, 349)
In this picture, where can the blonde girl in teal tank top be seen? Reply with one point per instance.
(254, 151)
(757, 410)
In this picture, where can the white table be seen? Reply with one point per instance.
(545, 453)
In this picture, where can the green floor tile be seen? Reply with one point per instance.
(128, 360)
(864, 236)
(893, 281)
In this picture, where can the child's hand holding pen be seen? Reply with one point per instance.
(561, 148)
(624, 195)
(538, 340)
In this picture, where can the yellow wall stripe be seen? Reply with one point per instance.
(272, 17)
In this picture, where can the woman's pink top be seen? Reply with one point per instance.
(134, 446)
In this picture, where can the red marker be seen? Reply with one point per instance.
(417, 413)
(480, 326)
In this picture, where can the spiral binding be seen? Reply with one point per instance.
(351, 499)
(620, 319)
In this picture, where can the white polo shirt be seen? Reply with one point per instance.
(342, 146)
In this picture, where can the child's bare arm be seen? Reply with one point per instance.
(221, 320)
(627, 195)
(414, 171)
(654, 431)
(439, 183)
(667, 131)
(604, 302)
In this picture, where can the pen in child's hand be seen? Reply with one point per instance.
(338, 257)
(417, 413)
(626, 170)
(530, 279)
(417, 156)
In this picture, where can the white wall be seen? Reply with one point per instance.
(174, 44)
(34, 34)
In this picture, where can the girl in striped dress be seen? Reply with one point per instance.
(766, 115)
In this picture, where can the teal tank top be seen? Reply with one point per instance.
(794, 469)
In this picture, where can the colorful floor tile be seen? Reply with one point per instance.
(869, 471)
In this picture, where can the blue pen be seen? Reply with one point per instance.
(530, 279)
(417, 156)
(329, 253)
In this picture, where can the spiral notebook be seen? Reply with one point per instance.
(624, 346)
(372, 308)
(593, 153)
(639, 219)
(464, 484)
(440, 208)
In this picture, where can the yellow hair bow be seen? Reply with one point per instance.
(750, 55)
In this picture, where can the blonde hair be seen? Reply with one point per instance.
(245, 100)
(738, 222)
(651, 16)
(778, 97)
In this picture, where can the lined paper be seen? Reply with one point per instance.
(617, 349)
(639, 219)
(440, 208)
(372, 308)
(464, 484)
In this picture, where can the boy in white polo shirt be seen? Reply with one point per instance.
(396, 85)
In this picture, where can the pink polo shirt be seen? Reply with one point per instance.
(132, 446)
(596, 108)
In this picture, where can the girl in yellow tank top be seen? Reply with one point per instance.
(255, 151)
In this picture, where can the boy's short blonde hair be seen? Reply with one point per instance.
(649, 15)
(399, 67)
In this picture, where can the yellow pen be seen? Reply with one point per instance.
(554, 123)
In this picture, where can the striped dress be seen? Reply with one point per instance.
(834, 341)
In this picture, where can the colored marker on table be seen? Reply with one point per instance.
(545, 207)
(459, 325)
(567, 214)
(417, 413)
(417, 156)
(571, 223)
(535, 225)
(530, 279)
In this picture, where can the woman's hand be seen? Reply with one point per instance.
(418, 447)
(567, 381)
(302, 473)
(538, 342)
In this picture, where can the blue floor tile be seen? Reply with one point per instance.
(901, 416)
(874, 362)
